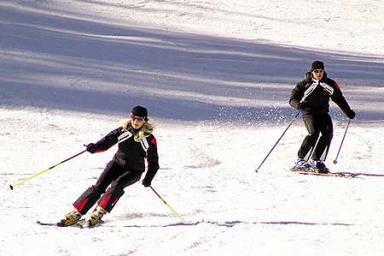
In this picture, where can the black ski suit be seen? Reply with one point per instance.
(312, 98)
(125, 168)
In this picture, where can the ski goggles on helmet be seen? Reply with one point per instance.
(140, 118)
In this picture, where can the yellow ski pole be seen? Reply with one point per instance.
(21, 182)
(172, 210)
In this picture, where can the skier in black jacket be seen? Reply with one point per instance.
(135, 143)
(312, 96)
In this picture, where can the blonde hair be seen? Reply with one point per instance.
(145, 130)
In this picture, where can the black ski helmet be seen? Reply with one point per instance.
(317, 65)
(140, 111)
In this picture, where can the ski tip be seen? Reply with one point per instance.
(46, 223)
(11, 187)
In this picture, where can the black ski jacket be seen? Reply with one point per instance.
(132, 151)
(312, 97)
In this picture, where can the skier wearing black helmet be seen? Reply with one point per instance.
(312, 96)
(135, 144)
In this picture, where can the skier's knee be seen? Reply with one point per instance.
(312, 137)
(98, 189)
(327, 136)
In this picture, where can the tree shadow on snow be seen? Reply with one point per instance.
(66, 63)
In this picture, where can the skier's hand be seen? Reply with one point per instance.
(351, 114)
(146, 182)
(91, 148)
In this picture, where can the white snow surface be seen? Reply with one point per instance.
(216, 76)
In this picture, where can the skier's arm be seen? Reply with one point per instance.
(153, 161)
(296, 96)
(341, 102)
(106, 142)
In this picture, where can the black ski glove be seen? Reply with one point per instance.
(91, 148)
(146, 182)
(351, 114)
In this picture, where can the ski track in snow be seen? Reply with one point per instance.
(216, 76)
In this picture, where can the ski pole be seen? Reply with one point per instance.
(293, 120)
(172, 210)
(21, 182)
(342, 141)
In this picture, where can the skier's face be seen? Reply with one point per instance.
(318, 74)
(137, 122)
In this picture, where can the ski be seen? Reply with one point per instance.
(79, 224)
(327, 174)
(46, 223)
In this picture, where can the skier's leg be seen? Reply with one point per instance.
(326, 129)
(93, 193)
(116, 190)
(310, 140)
(110, 198)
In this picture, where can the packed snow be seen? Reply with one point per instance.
(216, 76)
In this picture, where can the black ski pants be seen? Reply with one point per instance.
(317, 125)
(115, 178)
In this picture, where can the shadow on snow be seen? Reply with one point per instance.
(237, 222)
(73, 64)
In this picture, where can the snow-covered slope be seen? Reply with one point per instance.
(216, 77)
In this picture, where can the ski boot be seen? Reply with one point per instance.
(299, 165)
(317, 166)
(70, 219)
(96, 216)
